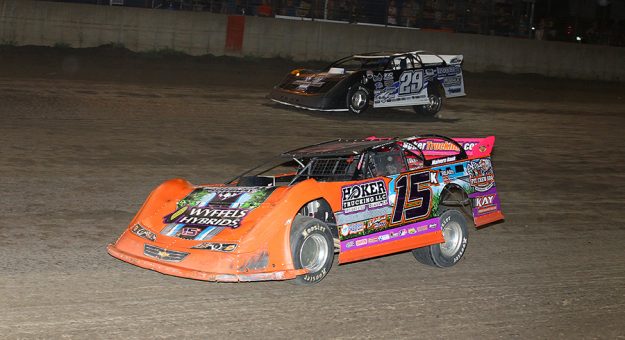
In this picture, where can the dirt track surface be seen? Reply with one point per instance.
(82, 147)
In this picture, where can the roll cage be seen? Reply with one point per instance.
(388, 61)
(344, 160)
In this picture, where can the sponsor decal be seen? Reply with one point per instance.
(212, 207)
(208, 216)
(377, 77)
(353, 228)
(190, 232)
(485, 204)
(452, 81)
(304, 84)
(364, 196)
(346, 218)
(392, 235)
(224, 247)
(481, 176)
(379, 222)
(388, 76)
(142, 232)
(448, 71)
(437, 146)
(378, 85)
(447, 172)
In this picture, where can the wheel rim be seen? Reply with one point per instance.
(314, 253)
(452, 233)
(435, 102)
(359, 99)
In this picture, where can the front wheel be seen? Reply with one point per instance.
(448, 253)
(312, 248)
(357, 99)
(435, 104)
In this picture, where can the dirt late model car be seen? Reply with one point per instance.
(288, 218)
(418, 79)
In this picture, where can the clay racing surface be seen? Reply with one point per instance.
(86, 135)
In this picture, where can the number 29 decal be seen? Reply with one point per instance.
(414, 197)
(411, 82)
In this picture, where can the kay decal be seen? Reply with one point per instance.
(364, 196)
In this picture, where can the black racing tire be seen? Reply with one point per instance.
(447, 254)
(358, 99)
(436, 98)
(312, 247)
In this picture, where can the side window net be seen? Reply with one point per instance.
(340, 168)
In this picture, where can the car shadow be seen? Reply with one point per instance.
(384, 114)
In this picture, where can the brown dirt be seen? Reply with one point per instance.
(86, 134)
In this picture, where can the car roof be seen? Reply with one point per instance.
(389, 54)
(377, 55)
(339, 147)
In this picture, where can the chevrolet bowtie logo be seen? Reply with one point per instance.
(163, 254)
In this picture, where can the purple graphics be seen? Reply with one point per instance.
(395, 234)
(485, 202)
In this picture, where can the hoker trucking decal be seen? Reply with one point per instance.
(363, 196)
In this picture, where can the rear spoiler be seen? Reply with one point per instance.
(433, 58)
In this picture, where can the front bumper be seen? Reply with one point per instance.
(318, 102)
(201, 264)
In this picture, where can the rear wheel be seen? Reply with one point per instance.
(435, 104)
(357, 99)
(312, 248)
(448, 253)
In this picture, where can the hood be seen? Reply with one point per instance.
(207, 210)
(311, 82)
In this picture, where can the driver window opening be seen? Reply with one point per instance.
(384, 163)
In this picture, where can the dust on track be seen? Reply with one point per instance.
(84, 141)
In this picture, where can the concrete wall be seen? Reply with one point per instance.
(328, 41)
(26, 22)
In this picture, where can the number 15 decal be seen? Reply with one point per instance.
(414, 197)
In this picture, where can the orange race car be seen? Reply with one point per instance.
(286, 219)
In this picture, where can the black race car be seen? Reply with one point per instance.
(418, 79)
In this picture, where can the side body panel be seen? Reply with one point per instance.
(393, 88)
(406, 215)
(451, 79)
(400, 88)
